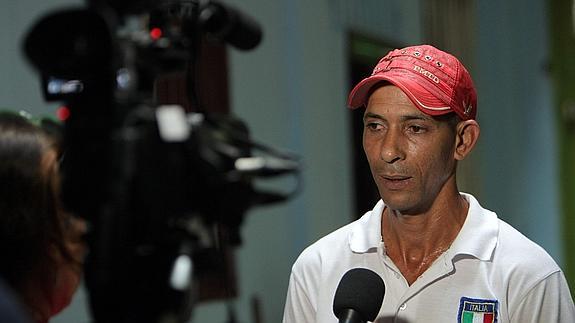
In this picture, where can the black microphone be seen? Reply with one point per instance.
(226, 23)
(359, 296)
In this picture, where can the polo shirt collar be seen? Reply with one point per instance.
(478, 236)
(366, 232)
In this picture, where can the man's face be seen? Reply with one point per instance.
(411, 154)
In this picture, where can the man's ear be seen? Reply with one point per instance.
(467, 133)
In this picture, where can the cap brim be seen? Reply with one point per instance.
(419, 95)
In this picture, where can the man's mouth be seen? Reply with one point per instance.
(395, 177)
(395, 182)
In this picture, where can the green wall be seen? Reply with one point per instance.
(562, 29)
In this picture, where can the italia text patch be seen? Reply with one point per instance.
(474, 310)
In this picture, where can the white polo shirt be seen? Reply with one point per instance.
(491, 273)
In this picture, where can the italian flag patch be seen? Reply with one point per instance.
(473, 310)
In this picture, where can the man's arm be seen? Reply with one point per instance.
(548, 301)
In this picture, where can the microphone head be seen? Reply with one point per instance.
(361, 290)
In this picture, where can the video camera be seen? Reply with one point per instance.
(163, 189)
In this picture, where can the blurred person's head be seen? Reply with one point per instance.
(40, 242)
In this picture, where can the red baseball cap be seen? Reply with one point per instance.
(435, 81)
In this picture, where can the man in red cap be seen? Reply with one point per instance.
(442, 257)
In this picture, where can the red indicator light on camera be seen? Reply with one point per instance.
(156, 33)
(63, 113)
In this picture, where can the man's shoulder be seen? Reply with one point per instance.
(526, 268)
(522, 256)
(513, 250)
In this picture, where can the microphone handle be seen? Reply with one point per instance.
(351, 316)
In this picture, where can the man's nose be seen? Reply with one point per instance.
(391, 147)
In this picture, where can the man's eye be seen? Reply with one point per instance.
(416, 129)
(373, 126)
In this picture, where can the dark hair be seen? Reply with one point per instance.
(451, 118)
(31, 217)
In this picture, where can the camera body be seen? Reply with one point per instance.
(162, 189)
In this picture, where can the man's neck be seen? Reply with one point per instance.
(415, 241)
